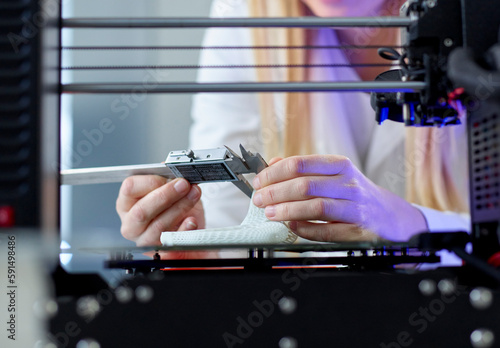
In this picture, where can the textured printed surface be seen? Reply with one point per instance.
(255, 229)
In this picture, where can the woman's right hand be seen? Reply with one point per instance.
(149, 205)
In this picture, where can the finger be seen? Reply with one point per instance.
(331, 232)
(189, 224)
(135, 187)
(161, 209)
(274, 160)
(169, 220)
(324, 209)
(160, 199)
(307, 187)
(255, 182)
(296, 166)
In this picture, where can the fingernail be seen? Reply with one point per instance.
(292, 225)
(256, 183)
(270, 211)
(257, 199)
(191, 225)
(193, 194)
(181, 186)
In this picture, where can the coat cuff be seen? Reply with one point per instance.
(444, 221)
(439, 221)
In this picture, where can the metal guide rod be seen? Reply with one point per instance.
(351, 86)
(104, 175)
(296, 22)
(242, 66)
(185, 47)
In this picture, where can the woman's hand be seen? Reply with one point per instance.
(331, 189)
(149, 205)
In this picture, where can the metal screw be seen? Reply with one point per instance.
(144, 293)
(481, 298)
(156, 275)
(448, 42)
(446, 286)
(431, 3)
(400, 99)
(45, 309)
(124, 294)
(427, 287)
(88, 343)
(44, 344)
(288, 342)
(288, 305)
(482, 338)
(87, 307)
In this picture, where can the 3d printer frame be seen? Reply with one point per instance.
(236, 295)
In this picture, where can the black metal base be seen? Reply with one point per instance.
(309, 307)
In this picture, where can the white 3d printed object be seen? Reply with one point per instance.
(255, 229)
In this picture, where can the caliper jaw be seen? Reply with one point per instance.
(216, 165)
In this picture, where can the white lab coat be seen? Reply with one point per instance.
(343, 123)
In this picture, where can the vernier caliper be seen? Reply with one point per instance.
(196, 166)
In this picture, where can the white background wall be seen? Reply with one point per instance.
(132, 128)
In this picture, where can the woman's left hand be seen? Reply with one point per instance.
(331, 189)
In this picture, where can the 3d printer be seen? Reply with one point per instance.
(264, 299)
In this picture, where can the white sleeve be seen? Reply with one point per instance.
(226, 118)
(439, 221)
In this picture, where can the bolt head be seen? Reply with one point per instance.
(288, 342)
(45, 308)
(482, 338)
(88, 343)
(88, 307)
(447, 286)
(144, 293)
(287, 305)
(431, 3)
(427, 287)
(448, 42)
(124, 294)
(481, 298)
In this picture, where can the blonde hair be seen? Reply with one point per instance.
(429, 181)
(293, 137)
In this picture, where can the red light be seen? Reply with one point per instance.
(6, 216)
(494, 260)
